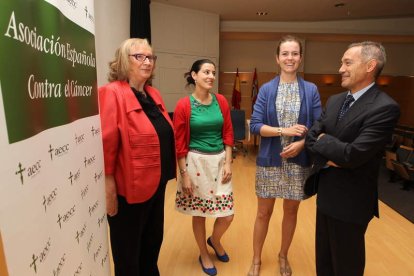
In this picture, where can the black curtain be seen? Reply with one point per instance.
(140, 19)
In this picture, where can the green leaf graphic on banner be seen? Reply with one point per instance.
(45, 73)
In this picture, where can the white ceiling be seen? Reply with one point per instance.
(299, 10)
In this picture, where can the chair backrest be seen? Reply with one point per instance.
(410, 160)
(395, 142)
(389, 157)
(408, 138)
(238, 119)
(403, 152)
(401, 170)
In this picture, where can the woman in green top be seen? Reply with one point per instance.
(204, 142)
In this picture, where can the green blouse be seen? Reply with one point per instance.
(206, 124)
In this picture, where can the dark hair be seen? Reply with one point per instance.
(287, 38)
(372, 50)
(195, 68)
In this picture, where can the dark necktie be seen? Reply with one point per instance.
(345, 106)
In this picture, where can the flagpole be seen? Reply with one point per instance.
(236, 96)
(255, 89)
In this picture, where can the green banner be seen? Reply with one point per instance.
(45, 73)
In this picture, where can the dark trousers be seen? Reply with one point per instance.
(340, 247)
(136, 234)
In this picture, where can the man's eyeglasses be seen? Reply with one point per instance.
(142, 58)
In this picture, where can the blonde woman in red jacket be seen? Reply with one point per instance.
(204, 140)
(139, 154)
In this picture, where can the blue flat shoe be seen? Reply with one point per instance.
(222, 258)
(209, 271)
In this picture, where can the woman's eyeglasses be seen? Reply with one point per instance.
(142, 58)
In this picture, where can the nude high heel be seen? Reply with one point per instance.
(284, 266)
(254, 269)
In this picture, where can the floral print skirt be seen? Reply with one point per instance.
(210, 198)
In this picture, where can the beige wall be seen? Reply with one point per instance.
(325, 58)
(400, 59)
(246, 55)
(390, 26)
(111, 28)
(321, 57)
(179, 37)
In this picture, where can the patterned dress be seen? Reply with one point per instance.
(287, 180)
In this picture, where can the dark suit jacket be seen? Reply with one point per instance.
(349, 192)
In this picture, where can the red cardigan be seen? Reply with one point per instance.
(130, 142)
(182, 115)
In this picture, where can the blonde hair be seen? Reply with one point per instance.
(119, 67)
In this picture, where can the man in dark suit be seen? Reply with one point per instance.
(347, 145)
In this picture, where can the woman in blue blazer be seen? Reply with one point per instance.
(285, 109)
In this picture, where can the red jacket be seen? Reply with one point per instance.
(182, 115)
(130, 142)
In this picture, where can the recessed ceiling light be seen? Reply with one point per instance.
(338, 5)
(261, 13)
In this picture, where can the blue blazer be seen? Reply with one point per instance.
(265, 114)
